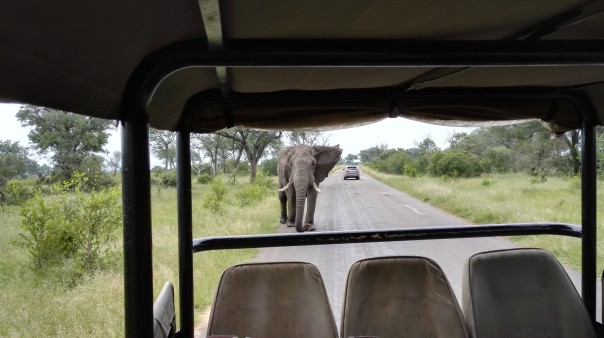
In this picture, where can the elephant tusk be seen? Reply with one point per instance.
(285, 187)
(314, 185)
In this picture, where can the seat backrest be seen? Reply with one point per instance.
(265, 300)
(400, 297)
(521, 293)
(164, 316)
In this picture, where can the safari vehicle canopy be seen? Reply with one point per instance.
(200, 66)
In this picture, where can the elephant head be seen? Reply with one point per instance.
(301, 168)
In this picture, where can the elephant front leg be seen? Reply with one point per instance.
(311, 202)
(291, 208)
(283, 202)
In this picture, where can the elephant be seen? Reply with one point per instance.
(300, 170)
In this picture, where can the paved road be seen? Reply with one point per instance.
(367, 204)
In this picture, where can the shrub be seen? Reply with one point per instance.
(216, 196)
(250, 194)
(269, 166)
(71, 224)
(456, 163)
(168, 178)
(17, 192)
(410, 170)
(204, 178)
(264, 180)
(42, 236)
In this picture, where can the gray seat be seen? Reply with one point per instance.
(164, 316)
(390, 297)
(521, 293)
(272, 300)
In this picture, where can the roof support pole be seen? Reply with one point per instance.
(588, 217)
(185, 234)
(136, 196)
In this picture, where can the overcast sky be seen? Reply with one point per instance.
(396, 133)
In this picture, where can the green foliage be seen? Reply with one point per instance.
(18, 191)
(392, 161)
(168, 178)
(497, 160)
(73, 224)
(215, 199)
(163, 146)
(410, 170)
(270, 166)
(456, 163)
(163, 177)
(250, 194)
(373, 153)
(204, 178)
(15, 162)
(255, 192)
(263, 179)
(71, 138)
(538, 177)
(42, 232)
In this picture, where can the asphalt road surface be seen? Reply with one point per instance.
(367, 204)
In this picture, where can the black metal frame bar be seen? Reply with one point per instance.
(588, 216)
(391, 235)
(136, 196)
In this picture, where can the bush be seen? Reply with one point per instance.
(250, 195)
(269, 166)
(456, 163)
(168, 178)
(71, 224)
(17, 192)
(264, 180)
(410, 170)
(163, 177)
(216, 196)
(42, 236)
(204, 178)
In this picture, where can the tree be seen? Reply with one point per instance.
(14, 162)
(351, 158)
(163, 146)
(393, 161)
(214, 146)
(310, 138)
(373, 153)
(71, 138)
(114, 163)
(252, 142)
(455, 163)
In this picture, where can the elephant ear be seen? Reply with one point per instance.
(327, 157)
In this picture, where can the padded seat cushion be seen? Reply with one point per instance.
(397, 297)
(522, 293)
(265, 300)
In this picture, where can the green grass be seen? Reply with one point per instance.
(509, 198)
(38, 304)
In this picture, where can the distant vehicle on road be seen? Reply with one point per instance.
(352, 171)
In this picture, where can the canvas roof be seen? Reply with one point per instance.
(299, 64)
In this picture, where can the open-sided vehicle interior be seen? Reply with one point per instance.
(200, 66)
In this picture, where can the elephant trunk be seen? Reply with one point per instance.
(301, 188)
(300, 213)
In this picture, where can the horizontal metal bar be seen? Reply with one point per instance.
(390, 235)
(391, 53)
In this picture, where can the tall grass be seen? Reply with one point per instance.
(38, 304)
(509, 198)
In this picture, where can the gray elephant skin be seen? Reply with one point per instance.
(300, 169)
